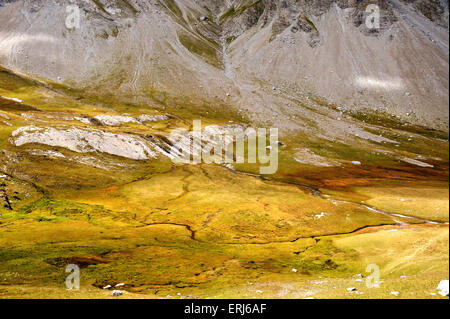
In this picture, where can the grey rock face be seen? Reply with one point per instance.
(157, 51)
(84, 140)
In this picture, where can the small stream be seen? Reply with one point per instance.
(318, 193)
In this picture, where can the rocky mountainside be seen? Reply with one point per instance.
(282, 63)
(97, 131)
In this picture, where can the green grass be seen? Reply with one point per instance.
(232, 12)
(205, 230)
(162, 260)
(430, 202)
(200, 47)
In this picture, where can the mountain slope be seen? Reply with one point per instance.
(87, 175)
(142, 52)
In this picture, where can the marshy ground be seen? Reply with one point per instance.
(210, 231)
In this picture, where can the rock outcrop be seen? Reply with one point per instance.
(84, 140)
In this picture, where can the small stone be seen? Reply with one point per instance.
(443, 288)
(352, 289)
(117, 293)
(395, 293)
(319, 216)
(294, 270)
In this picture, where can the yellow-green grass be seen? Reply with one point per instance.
(222, 206)
(135, 231)
(36, 292)
(173, 231)
(426, 200)
(413, 260)
(164, 261)
(110, 248)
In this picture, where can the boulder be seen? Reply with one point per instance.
(443, 288)
(117, 293)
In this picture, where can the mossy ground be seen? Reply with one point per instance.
(169, 231)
